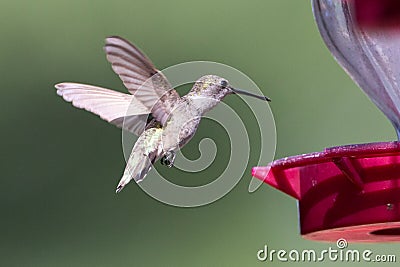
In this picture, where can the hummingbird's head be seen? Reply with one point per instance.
(211, 86)
(217, 88)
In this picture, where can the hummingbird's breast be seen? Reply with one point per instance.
(181, 125)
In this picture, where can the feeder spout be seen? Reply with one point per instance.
(288, 184)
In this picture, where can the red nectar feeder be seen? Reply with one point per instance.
(353, 191)
(350, 192)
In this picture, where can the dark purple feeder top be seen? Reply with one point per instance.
(377, 14)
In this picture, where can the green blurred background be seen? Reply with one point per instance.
(60, 165)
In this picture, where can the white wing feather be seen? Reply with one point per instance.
(110, 105)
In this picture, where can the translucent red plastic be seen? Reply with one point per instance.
(350, 192)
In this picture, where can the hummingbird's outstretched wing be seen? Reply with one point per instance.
(110, 105)
(148, 85)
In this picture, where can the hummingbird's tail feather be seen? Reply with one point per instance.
(146, 151)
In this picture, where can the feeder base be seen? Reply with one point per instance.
(368, 233)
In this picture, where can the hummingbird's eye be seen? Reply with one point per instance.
(223, 83)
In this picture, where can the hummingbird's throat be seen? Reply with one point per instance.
(203, 103)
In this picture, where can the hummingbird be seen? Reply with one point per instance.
(154, 111)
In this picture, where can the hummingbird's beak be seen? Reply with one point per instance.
(242, 92)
